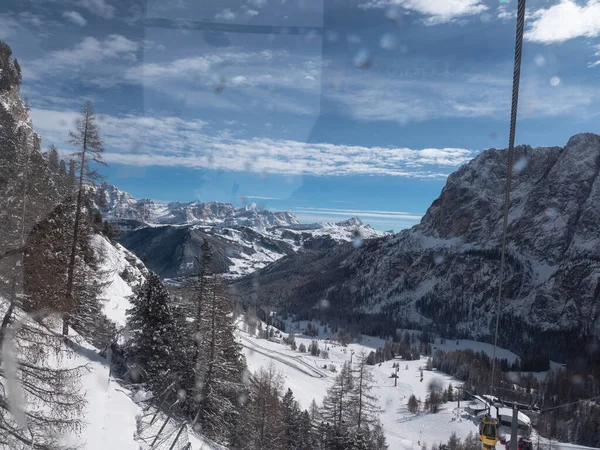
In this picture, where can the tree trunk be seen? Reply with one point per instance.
(71, 273)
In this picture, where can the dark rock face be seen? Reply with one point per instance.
(444, 272)
(174, 251)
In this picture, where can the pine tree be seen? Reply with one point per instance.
(291, 420)
(52, 402)
(86, 138)
(53, 159)
(219, 363)
(362, 402)
(150, 324)
(263, 415)
(336, 404)
(46, 262)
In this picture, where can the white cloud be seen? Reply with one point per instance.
(408, 98)
(505, 13)
(264, 79)
(563, 21)
(360, 213)
(75, 17)
(258, 3)
(436, 11)
(8, 26)
(258, 197)
(251, 12)
(171, 141)
(30, 19)
(90, 51)
(98, 7)
(226, 14)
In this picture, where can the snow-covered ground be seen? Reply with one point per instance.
(110, 413)
(116, 260)
(463, 344)
(403, 429)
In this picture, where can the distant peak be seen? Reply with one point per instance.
(352, 222)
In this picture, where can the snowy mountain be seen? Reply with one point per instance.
(347, 230)
(119, 206)
(443, 273)
(174, 251)
(168, 236)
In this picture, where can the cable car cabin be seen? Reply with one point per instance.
(488, 432)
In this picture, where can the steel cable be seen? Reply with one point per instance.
(509, 164)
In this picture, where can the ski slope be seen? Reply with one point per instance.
(403, 429)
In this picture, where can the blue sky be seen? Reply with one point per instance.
(327, 108)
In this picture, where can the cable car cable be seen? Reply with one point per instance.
(509, 163)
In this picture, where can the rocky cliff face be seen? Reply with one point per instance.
(444, 271)
(10, 86)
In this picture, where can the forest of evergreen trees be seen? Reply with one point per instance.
(49, 271)
(198, 367)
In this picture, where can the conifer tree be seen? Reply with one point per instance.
(150, 324)
(336, 404)
(363, 404)
(51, 403)
(263, 415)
(53, 159)
(220, 366)
(291, 421)
(86, 138)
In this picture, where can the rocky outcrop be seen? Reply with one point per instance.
(443, 272)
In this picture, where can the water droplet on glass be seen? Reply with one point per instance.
(493, 135)
(332, 36)
(362, 59)
(520, 164)
(438, 258)
(551, 212)
(135, 375)
(324, 304)
(353, 39)
(181, 394)
(554, 81)
(311, 35)
(388, 41)
(219, 84)
(485, 18)
(513, 377)
(394, 15)
(357, 242)
(539, 60)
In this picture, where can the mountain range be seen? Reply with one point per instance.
(169, 236)
(117, 205)
(443, 272)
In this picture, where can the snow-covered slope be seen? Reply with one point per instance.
(121, 272)
(348, 230)
(403, 429)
